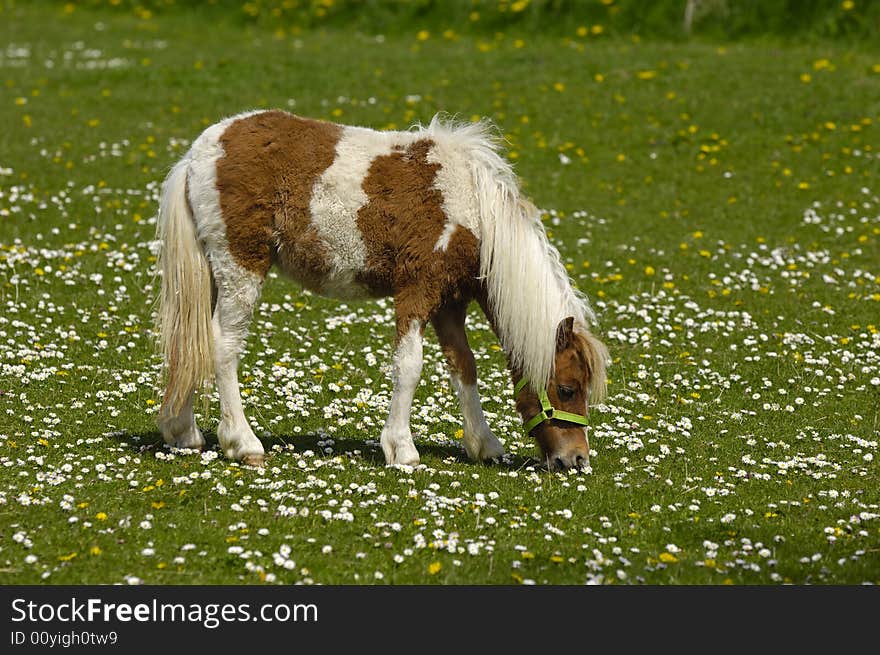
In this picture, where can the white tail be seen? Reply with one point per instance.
(184, 317)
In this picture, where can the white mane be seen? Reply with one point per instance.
(528, 286)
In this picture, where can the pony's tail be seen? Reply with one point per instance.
(184, 317)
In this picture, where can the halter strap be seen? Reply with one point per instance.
(547, 412)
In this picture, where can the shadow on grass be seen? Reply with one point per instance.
(367, 450)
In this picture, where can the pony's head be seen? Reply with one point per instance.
(577, 381)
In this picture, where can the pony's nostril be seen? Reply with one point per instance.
(558, 463)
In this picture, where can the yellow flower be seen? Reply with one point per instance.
(646, 75)
(847, 5)
(95, 550)
(649, 270)
(669, 558)
(559, 86)
(434, 568)
(423, 35)
(101, 516)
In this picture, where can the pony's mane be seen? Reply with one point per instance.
(595, 357)
(529, 289)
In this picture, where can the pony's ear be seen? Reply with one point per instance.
(564, 332)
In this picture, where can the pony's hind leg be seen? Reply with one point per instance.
(232, 315)
(396, 440)
(480, 442)
(181, 430)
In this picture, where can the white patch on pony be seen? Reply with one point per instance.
(338, 195)
(480, 442)
(455, 183)
(396, 439)
(443, 241)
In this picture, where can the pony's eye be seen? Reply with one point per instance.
(565, 393)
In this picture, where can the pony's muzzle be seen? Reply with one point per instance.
(567, 461)
(563, 446)
(570, 457)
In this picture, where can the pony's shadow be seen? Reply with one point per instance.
(368, 450)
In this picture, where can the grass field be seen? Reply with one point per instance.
(719, 204)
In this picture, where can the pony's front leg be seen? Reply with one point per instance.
(397, 442)
(480, 442)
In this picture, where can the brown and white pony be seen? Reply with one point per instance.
(432, 216)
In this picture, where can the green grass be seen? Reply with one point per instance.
(739, 440)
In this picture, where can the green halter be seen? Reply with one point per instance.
(547, 410)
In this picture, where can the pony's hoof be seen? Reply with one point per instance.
(403, 456)
(258, 461)
(410, 462)
(486, 449)
(178, 434)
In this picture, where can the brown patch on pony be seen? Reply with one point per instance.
(272, 160)
(400, 224)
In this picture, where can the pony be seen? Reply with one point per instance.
(432, 216)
